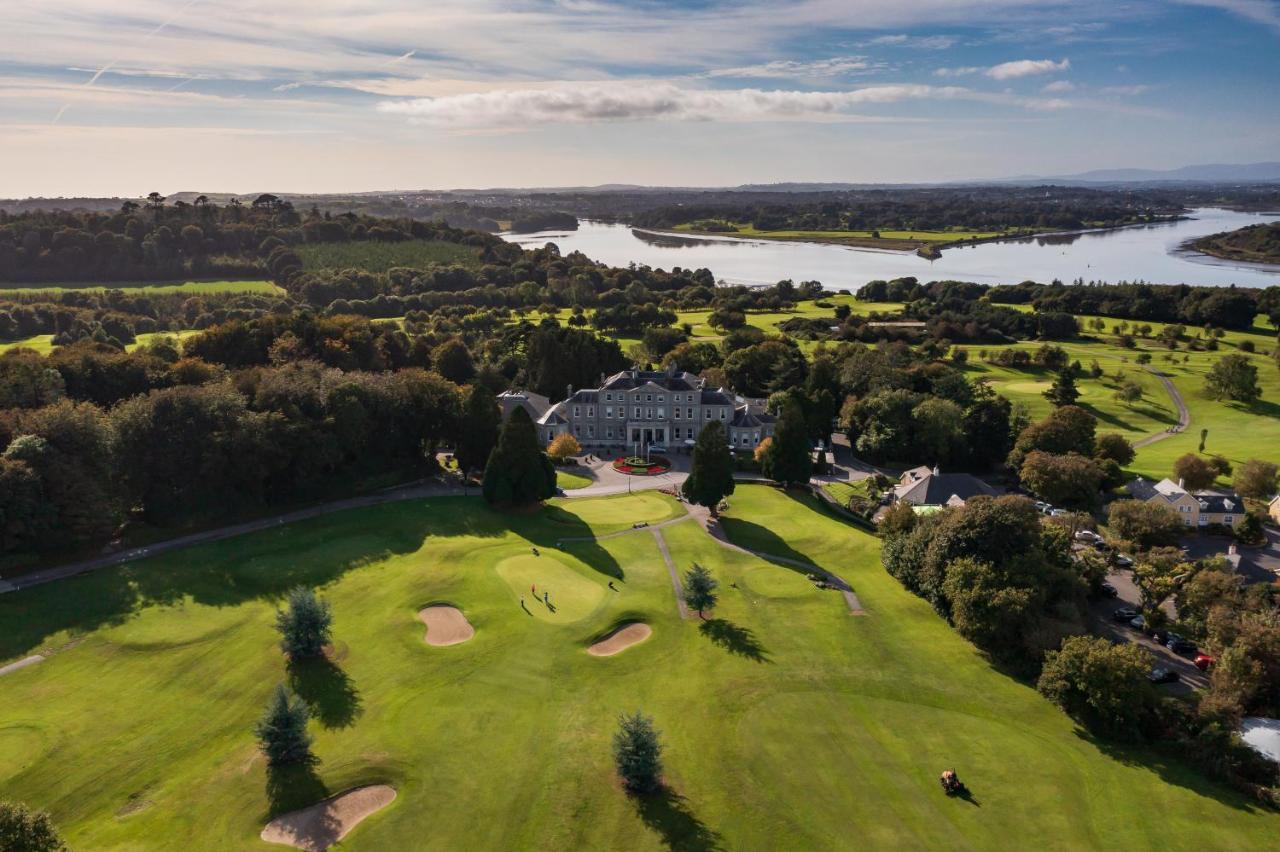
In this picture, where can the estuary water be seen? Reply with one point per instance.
(1150, 253)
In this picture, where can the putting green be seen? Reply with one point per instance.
(629, 509)
(574, 595)
(773, 581)
(1022, 387)
(20, 747)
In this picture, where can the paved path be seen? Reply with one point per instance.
(1184, 416)
(22, 664)
(671, 569)
(72, 569)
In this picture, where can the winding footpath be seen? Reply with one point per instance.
(1184, 415)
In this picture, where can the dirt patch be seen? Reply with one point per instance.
(446, 625)
(621, 639)
(22, 664)
(320, 826)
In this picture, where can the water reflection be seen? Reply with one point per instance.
(1152, 253)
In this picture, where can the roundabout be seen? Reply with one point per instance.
(640, 466)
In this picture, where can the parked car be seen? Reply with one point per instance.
(1180, 644)
(1121, 561)
(1108, 590)
(1124, 615)
(1101, 545)
(1163, 675)
(1042, 506)
(1088, 536)
(1057, 513)
(1138, 623)
(1204, 662)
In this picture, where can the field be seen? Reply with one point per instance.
(189, 288)
(380, 256)
(787, 721)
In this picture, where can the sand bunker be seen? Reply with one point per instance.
(22, 664)
(320, 826)
(621, 639)
(446, 625)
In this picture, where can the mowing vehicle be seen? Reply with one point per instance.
(951, 783)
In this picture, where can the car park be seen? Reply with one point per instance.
(1164, 675)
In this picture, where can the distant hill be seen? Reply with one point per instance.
(1212, 173)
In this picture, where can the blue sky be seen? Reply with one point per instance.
(109, 97)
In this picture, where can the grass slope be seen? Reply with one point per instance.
(192, 288)
(787, 721)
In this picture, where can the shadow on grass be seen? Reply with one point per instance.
(293, 786)
(261, 565)
(739, 641)
(555, 529)
(668, 813)
(1171, 769)
(327, 689)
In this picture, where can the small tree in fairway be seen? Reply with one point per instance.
(637, 753)
(1063, 391)
(700, 589)
(519, 472)
(789, 459)
(711, 479)
(306, 626)
(282, 730)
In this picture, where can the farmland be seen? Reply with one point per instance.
(373, 256)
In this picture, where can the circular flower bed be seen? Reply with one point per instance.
(638, 466)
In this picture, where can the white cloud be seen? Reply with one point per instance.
(1026, 68)
(836, 66)
(598, 103)
(933, 42)
(964, 71)
(1125, 91)
(1059, 86)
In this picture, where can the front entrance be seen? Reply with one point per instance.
(649, 436)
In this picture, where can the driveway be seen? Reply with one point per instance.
(1105, 626)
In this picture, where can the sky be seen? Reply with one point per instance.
(119, 98)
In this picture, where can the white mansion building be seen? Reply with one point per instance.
(636, 409)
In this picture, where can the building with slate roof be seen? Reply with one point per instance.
(1197, 509)
(635, 410)
(923, 486)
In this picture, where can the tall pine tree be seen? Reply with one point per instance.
(637, 753)
(478, 432)
(1063, 392)
(711, 479)
(789, 460)
(519, 472)
(282, 730)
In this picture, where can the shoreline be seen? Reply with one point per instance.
(929, 250)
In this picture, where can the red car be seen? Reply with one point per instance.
(1204, 662)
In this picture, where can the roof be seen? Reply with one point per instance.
(670, 380)
(745, 418)
(943, 489)
(536, 405)
(716, 397)
(1214, 502)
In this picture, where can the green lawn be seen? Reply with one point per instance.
(372, 256)
(42, 343)
(569, 481)
(193, 288)
(788, 722)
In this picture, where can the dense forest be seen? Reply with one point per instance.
(1254, 243)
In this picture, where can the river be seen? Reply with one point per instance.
(1150, 253)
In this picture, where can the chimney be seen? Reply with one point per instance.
(602, 378)
(936, 471)
(1180, 483)
(1232, 550)
(570, 393)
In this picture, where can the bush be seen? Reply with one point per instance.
(25, 830)
(1249, 529)
(637, 753)
(1103, 685)
(305, 627)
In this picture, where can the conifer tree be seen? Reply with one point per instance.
(711, 479)
(519, 472)
(478, 432)
(789, 460)
(700, 589)
(282, 730)
(1063, 392)
(637, 753)
(305, 626)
